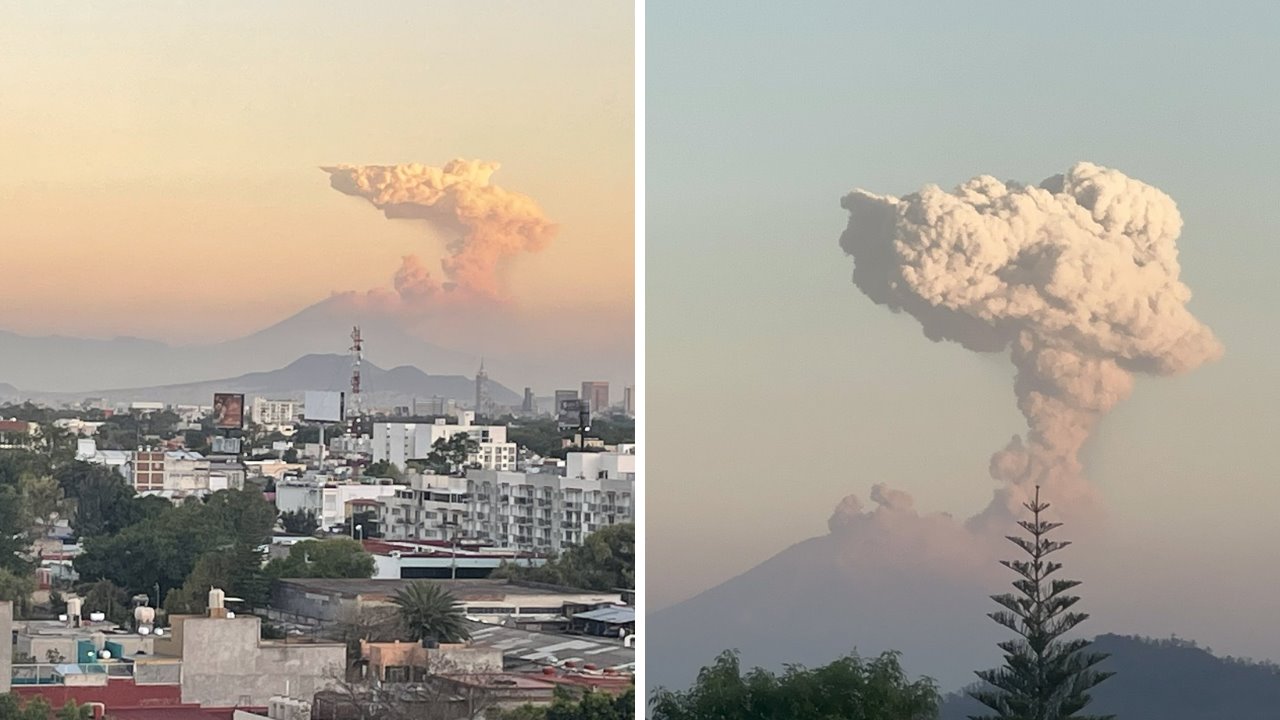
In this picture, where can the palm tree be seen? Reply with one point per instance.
(429, 612)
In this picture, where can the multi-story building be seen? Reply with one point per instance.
(18, 433)
(273, 412)
(629, 401)
(561, 397)
(544, 511)
(435, 406)
(430, 507)
(399, 442)
(596, 395)
(87, 451)
(330, 502)
(172, 474)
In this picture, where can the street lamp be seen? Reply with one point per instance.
(453, 555)
(358, 529)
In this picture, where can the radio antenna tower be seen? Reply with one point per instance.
(357, 355)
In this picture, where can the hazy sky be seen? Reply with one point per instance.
(776, 387)
(162, 159)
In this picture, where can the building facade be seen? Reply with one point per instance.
(330, 502)
(428, 507)
(399, 442)
(173, 474)
(273, 412)
(543, 511)
(596, 395)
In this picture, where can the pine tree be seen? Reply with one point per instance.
(1044, 677)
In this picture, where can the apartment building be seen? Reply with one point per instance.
(400, 442)
(330, 501)
(273, 412)
(544, 511)
(172, 474)
(429, 507)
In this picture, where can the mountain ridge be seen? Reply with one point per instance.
(314, 371)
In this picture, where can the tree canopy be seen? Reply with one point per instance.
(850, 687)
(336, 558)
(606, 560)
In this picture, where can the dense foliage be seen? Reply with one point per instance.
(850, 688)
(337, 558)
(543, 436)
(163, 547)
(298, 522)
(605, 561)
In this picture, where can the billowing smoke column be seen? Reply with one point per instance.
(1077, 279)
(488, 222)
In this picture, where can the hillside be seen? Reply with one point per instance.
(1169, 680)
(398, 385)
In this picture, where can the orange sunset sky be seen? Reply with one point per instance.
(162, 161)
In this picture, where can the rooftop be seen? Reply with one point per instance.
(548, 649)
(466, 590)
(616, 615)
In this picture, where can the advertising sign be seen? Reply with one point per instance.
(569, 413)
(228, 411)
(324, 406)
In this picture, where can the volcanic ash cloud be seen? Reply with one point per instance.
(487, 223)
(1077, 279)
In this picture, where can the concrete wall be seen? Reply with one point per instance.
(6, 652)
(225, 664)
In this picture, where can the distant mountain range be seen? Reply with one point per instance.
(1168, 680)
(509, 344)
(397, 386)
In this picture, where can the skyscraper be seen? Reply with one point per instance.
(529, 405)
(482, 395)
(596, 395)
(629, 401)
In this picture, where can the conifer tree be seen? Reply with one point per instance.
(1044, 676)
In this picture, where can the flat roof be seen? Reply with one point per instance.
(466, 590)
(548, 649)
(616, 615)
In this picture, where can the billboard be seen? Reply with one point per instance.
(569, 413)
(324, 406)
(226, 445)
(228, 411)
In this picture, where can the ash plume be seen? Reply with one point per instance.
(487, 223)
(1077, 279)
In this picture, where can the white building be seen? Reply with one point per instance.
(329, 501)
(539, 511)
(399, 442)
(87, 451)
(619, 465)
(79, 427)
(171, 474)
(273, 412)
(411, 560)
(430, 507)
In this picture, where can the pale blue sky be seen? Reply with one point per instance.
(760, 119)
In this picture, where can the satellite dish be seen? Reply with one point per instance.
(62, 618)
(231, 615)
(105, 654)
(159, 632)
(144, 630)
